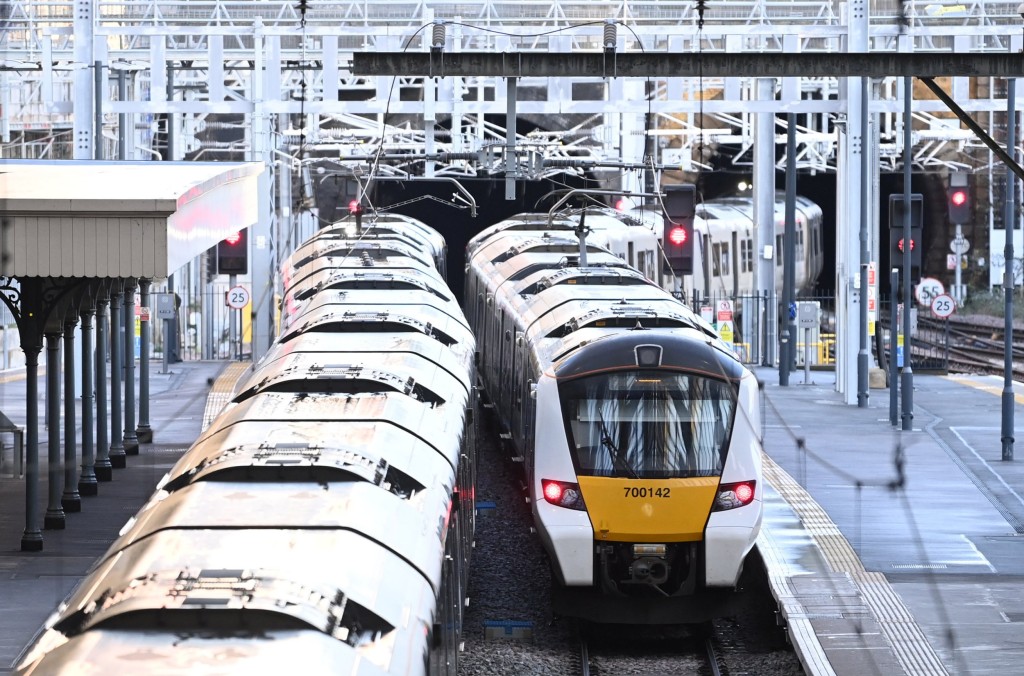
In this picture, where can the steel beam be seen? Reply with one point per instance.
(708, 65)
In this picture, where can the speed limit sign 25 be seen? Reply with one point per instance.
(943, 306)
(237, 297)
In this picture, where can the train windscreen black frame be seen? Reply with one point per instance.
(648, 424)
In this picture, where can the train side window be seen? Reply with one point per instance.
(746, 255)
(726, 268)
(631, 259)
(778, 251)
(716, 257)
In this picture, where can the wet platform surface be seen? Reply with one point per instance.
(900, 551)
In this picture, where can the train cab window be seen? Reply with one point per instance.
(648, 423)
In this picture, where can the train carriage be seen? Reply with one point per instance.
(325, 518)
(639, 433)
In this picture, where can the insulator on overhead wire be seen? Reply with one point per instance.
(701, 6)
(610, 34)
(437, 36)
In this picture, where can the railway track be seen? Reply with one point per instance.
(648, 650)
(966, 345)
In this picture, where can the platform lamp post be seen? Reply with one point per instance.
(907, 375)
(1006, 431)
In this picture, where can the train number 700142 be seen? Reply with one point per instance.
(637, 492)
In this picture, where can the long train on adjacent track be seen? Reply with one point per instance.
(637, 427)
(724, 248)
(323, 522)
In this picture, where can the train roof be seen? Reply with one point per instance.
(377, 249)
(369, 318)
(562, 315)
(359, 261)
(440, 430)
(516, 225)
(500, 250)
(293, 310)
(682, 348)
(602, 274)
(330, 279)
(413, 375)
(107, 651)
(415, 343)
(337, 581)
(392, 221)
(389, 456)
(404, 525)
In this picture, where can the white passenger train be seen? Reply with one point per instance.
(638, 429)
(723, 249)
(323, 522)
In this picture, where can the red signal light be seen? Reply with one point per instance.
(234, 238)
(678, 235)
(958, 198)
(354, 207)
(900, 245)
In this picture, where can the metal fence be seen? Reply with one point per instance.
(745, 322)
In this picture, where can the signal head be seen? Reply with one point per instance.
(678, 235)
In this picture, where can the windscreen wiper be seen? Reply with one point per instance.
(617, 455)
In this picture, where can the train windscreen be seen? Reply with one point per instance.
(648, 424)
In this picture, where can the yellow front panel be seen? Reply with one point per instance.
(648, 510)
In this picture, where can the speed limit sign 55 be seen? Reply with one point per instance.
(237, 297)
(943, 306)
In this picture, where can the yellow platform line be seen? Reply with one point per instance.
(220, 393)
(991, 384)
(909, 643)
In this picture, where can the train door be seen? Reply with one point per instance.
(504, 359)
(518, 380)
(705, 256)
(733, 264)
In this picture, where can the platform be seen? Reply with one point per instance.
(32, 584)
(891, 551)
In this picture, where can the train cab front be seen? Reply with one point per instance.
(650, 455)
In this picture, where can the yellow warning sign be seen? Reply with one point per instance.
(725, 331)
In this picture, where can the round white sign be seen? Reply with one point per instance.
(959, 245)
(943, 306)
(927, 289)
(237, 297)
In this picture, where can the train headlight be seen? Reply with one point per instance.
(563, 494)
(731, 496)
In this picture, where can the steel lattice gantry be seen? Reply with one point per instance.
(289, 77)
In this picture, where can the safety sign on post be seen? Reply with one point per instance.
(723, 320)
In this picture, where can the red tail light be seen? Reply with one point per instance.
(731, 496)
(563, 494)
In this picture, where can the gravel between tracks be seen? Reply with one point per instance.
(510, 580)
